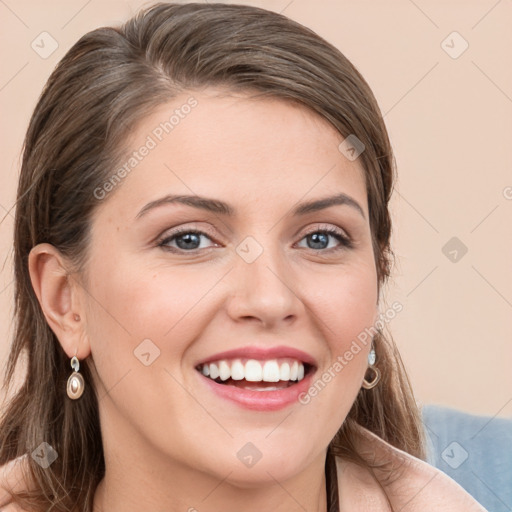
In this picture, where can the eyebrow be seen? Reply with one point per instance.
(222, 208)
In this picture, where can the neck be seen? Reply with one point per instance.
(139, 476)
(117, 493)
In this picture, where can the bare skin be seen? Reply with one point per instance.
(170, 442)
(414, 485)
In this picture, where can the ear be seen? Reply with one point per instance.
(59, 297)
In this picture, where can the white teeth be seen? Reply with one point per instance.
(214, 371)
(300, 372)
(224, 370)
(237, 370)
(284, 371)
(294, 371)
(253, 371)
(272, 370)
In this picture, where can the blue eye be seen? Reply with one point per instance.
(320, 237)
(189, 240)
(186, 239)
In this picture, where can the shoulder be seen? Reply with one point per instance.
(11, 479)
(414, 485)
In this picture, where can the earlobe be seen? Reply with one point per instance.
(58, 298)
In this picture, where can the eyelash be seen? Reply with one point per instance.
(345, 241)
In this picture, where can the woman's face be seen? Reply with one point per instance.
(261, 283)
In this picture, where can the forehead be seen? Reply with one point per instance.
(250, 150)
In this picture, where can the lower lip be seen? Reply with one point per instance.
(260, 400)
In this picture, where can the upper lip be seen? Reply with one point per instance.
(261, 353)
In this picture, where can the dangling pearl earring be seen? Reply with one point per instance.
(372, 358)
(76, 384)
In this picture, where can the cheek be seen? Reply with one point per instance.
(345, 303)
(143, 322)
(341, 304)
(344, 306)
(132, 303)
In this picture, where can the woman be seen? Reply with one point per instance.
(202, 235)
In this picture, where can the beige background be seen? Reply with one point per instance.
(450, 122)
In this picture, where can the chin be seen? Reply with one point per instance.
(251, 468)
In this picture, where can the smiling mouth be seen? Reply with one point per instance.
(255, 375)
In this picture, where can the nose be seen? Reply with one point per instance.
(264, 290)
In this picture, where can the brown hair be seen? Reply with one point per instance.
(107, 82)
